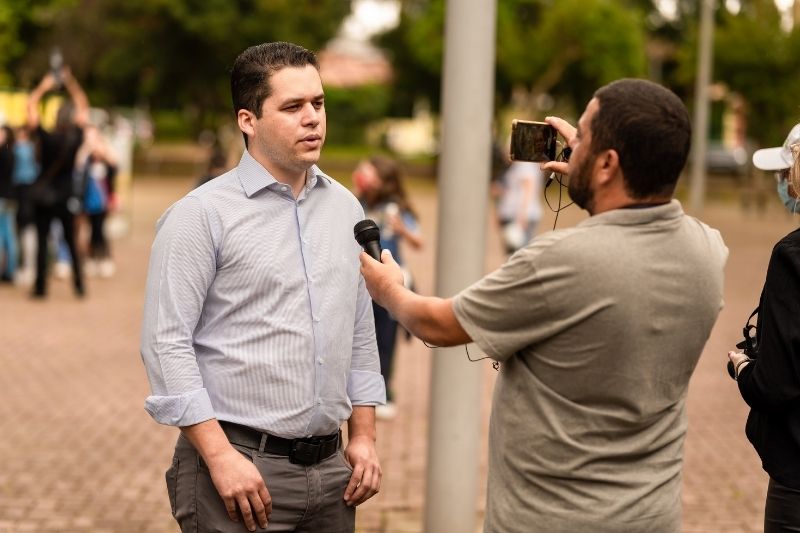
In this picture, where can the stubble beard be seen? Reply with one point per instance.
(579, 187)
(291, 160)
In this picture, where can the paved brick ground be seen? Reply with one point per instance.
(78, 453)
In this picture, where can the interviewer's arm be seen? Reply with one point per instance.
(429, 318)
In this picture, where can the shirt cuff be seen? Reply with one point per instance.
(366, 388)
(183, 410)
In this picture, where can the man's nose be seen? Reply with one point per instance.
(311, 115)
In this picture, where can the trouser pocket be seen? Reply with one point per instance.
(172, 483)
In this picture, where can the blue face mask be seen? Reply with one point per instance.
(791, 203)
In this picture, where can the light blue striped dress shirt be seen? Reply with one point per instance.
(255, 309)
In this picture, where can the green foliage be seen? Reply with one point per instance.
(350, 110)
(166, 53)
(583, 44)
(415, 77)
(570, 46)
(761, 62)
(170, 125)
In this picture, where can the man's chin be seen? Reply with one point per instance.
(311, 156)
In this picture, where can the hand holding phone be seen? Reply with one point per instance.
(533, 141)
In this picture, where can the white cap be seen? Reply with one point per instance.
(779, 158)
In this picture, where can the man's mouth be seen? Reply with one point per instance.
(311, 139)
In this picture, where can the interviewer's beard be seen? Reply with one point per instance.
(579, 187)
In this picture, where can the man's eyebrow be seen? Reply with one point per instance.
(300, 99)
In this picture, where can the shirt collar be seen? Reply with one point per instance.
(644, 215)
(254, 177)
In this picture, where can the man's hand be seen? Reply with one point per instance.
(236, 479)
(366, 479)
(48, 83)
(381, 277)
(240, 484)
(567, 131)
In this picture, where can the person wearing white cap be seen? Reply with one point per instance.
(768, 374)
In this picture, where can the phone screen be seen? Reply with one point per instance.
(533, 141)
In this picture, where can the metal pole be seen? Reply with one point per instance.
(697, 191)
(464, 168)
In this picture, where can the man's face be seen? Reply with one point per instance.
(582, 160)
(291, 131)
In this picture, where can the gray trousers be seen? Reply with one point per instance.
(304, 498)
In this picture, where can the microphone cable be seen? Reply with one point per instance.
(562, 157)
(495, 364)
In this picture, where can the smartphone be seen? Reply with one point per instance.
(533, 141)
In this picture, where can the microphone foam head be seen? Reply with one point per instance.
(366, 231)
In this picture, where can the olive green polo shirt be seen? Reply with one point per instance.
(598, 328)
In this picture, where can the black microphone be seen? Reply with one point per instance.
(369, 237)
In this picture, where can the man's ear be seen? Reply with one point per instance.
(246, 120)
(606, 166)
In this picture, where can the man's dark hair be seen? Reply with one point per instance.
(252, 69)
(650, 130)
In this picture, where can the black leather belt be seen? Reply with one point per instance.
(306, 451)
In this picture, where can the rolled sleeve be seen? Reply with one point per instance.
(182, 266)
(182, 410)
(366, 388)
(365, 384)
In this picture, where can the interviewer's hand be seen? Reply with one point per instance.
(567, 131)
(240, 484)
(381, 277)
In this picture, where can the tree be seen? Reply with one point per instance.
(568, 47)
(760, 61)
(172, 54)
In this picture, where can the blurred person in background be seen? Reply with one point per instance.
(379, 187)
(769, 375)
(217, 165)
(258, 336)
(26, 169)
(8, 234)
(54, 193)
(98, 169)
(519, 209)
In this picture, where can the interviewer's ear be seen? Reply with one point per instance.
(606, 166)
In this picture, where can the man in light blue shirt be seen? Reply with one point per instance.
(258, 336)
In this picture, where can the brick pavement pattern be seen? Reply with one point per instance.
(78, 453)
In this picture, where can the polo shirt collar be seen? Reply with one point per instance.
(254, 177)
(642, 215)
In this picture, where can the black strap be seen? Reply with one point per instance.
(306, 451)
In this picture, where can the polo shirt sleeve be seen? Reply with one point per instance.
(182, 267)
(512, 307)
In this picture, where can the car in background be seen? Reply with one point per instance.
(721, 159)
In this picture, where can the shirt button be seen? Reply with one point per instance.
(284, 188)
(321, 360)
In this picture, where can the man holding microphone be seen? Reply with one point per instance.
(598, 328)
